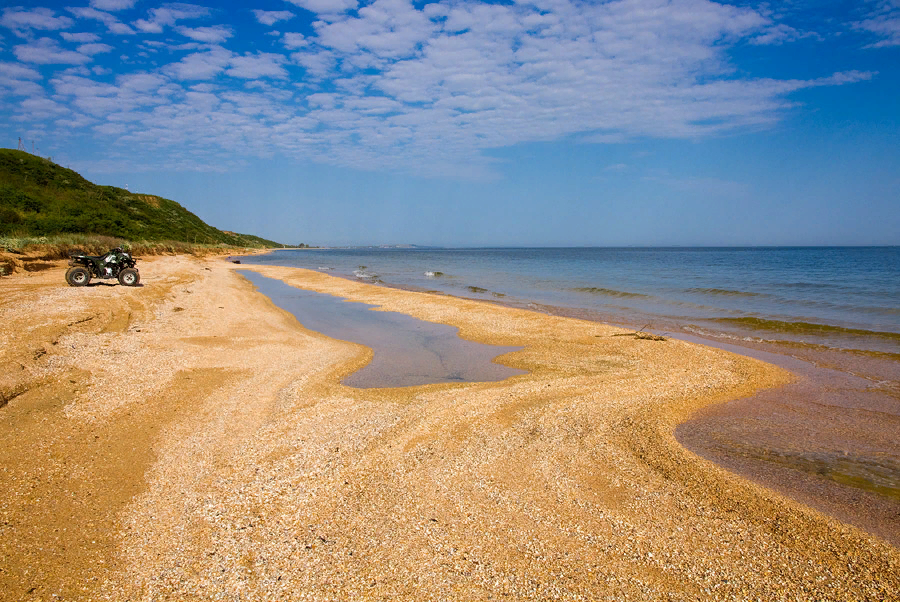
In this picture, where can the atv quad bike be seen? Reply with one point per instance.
(114, 264)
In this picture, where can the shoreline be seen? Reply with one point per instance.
(701, 307)
(845, 478)
(264, 478)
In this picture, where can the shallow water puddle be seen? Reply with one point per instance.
(407, 351)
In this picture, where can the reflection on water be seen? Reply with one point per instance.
(407, 351)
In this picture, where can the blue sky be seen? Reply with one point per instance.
(546, 122)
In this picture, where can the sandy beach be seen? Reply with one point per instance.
(188, 440)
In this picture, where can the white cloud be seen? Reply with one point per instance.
(19, 80)
(119, 28)
(209, 35)
(148, 26)
(75, 121)
(386, 28)
(169, 14)
(468, 76)
(19, 87)
(112, 23)
(80, 38)
(207, 65)
(373, 105)
(110, 130)
(293, 41)
(841, 78)
(20, 20)
(81, 87)
(271, 17)
(260, 65)
(201, 65)
(129, 95)
(46, 51)
(326, 7)
(92, 49)
(112, 5)
(141, 82)
(317, 64)
(778, 34)
(17, 71)
(884, 22)
(429, 89)
(185, 46)
(41, 108)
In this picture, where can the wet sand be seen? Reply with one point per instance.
(189, 440)
(828, 439)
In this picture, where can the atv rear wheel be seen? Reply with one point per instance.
(78, 276)
(129, 277)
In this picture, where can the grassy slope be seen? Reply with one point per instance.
(40, 198)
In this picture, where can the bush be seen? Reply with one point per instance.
(9, 220)
(50, 200)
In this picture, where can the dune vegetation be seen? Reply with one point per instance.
(48, 212)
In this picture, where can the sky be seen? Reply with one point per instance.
(467, 123)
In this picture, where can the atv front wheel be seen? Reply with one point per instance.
(129, 277)
(78, 276)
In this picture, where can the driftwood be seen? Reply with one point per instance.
(640, 334)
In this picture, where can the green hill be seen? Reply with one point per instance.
(40, 198)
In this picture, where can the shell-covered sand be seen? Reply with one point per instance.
(188, 440)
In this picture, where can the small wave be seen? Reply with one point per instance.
(805, 328)
(608, 292)
(694, 329)
(719, 335)
(808, 285)
(364, 275)
(723, 292)
(477, 289)
(324, 268)
(433, 274)
(889, 311)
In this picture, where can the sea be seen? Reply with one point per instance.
(830, 297)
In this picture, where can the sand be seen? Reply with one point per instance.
(188, 440)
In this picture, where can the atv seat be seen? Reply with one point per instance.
(91, 257)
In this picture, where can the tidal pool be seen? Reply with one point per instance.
(407, 351)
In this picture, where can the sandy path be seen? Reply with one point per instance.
(189, 441)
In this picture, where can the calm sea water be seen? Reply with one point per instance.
(836, 296)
